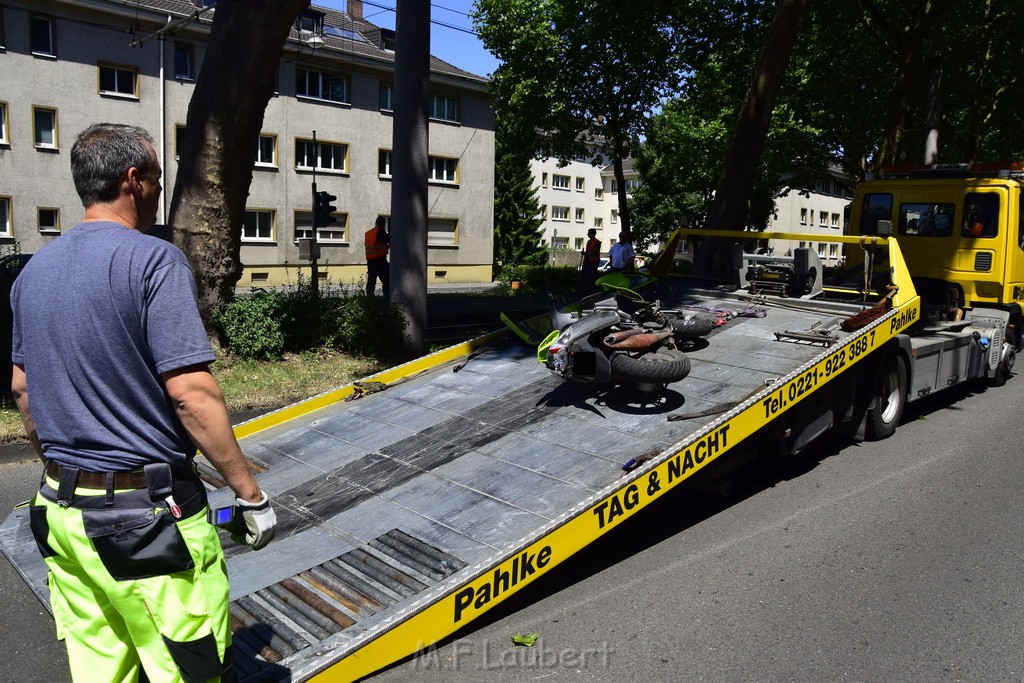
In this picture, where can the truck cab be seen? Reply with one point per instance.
(960, 230)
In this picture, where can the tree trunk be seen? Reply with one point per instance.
(221, 134)
(730, 207)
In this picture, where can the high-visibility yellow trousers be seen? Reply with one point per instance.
(175, 626)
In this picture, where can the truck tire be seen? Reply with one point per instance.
(1007, 358)
(664, 366)
(696, 326)
(890, 398)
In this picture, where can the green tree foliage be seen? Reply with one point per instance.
(517, 219)
(580, 74)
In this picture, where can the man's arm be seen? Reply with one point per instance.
(200, 406)
(19, 389)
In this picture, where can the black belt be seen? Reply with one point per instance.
(98, 480)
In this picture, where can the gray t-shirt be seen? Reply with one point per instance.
(99, 314)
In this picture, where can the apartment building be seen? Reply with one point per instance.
(578, 196)
(819, 209)
(65, 64)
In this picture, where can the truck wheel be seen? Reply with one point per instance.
(890, 399)
(664, 365)
(696, 326)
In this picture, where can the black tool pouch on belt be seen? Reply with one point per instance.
(137, 543)
(135, 534)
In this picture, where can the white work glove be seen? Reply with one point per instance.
(259, 521)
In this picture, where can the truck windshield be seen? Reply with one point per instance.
(876, 207)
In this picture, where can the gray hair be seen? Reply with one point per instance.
(102, 154)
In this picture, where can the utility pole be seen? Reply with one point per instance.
(314, 248)
(409, 175)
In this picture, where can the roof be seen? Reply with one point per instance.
(351, 36)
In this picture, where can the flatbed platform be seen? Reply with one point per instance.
(407, 513)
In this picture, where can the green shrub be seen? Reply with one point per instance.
(539, 279)
(252, 326)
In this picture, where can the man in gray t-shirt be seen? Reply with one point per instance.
(112, 382)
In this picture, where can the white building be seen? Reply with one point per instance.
(65, 64)
(821, 209)
(579, 196)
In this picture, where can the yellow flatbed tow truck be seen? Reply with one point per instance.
(407, 514)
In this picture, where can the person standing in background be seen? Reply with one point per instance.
(591, 260)
(377, 242)
(621, 254)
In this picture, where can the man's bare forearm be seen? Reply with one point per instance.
(200, 407)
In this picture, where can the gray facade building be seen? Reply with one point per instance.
(65, 64)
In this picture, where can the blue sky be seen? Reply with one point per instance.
(451, 36)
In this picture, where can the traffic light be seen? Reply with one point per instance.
(323, 210)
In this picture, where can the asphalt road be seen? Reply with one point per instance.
(890, 561)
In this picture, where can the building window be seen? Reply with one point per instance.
(615, 186)
(184, 61)
(544, 211)
(119, 80)
(580, 184)
(48, 220)
(599, 193)
(443, 170)
(444, 108)
(615, 216)
(3, 40)
(266, 151)
(821, 249)
(3, 124)
(560, 182)
(579, 243)
(331, 234)
(579, 215)
(598, 223)
(543, 179)
(322, 156)
(559, 213)
(42, 40)
(384, 163)
(386, 97)
(442, 232)
(823, 219)
(5, 216)
(258, 225)
(321, 86)
(179, 140)
(632, 185)
(835, 220)
(803, 216)
(44, 127)
(833, 250)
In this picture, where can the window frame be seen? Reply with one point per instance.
(273, 226)
(580, 214)
(189, 50)
(343, 79)
(55, 230)
(4, 124)
(179, 136)
(433, 222)
(51, 52)
(54, 130)
(321, 238)
(557, 181)
(581, 184)
(117, 69)
(6, 216)
(433, 160)
(384, 160)
(3, 31)
(556, 214)
(259, 150)
(445, 115)
(386, 103)
(320, 144)
(598, 194)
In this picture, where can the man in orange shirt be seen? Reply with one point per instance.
(591, 260)
(377, 266)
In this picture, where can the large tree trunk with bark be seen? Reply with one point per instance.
(221, 134)
(730, 207)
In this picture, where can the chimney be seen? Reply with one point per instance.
(354, 8)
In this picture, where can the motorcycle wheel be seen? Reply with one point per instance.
(696, 326)
(664, 366)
